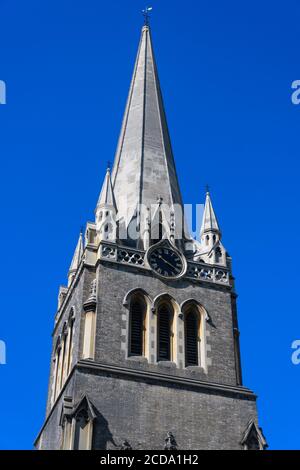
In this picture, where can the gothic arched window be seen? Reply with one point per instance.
(57, 366)
(137, 326)
(164, 330)
(218, 255)
(192, 338)
(195, 318)
(70, 342)
(65, 339)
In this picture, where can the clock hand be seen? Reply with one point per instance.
(165, 261)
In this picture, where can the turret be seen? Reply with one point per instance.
(212, 250)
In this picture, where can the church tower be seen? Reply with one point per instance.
(146, 342)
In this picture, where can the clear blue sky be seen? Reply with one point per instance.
(226, 70)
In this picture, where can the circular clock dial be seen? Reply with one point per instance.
(166, 262)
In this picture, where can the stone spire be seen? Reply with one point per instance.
(76, 259)
(144, 166)
(106, 211)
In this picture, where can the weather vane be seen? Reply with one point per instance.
(146, 14)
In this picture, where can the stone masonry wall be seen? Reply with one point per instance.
(143, 413)
(115, 281)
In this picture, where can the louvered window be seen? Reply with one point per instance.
(191, 339)
(137, 316)
(164, 333)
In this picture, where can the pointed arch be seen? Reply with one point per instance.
(165, 296)
(197, 304)
(71, 314)
(253, 438)
(195, 317)
(136, 291)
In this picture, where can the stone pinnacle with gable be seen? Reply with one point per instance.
(106, 211)
(209, 221)
(211, 249)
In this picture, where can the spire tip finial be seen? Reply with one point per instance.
(146, 14)
(207, 189)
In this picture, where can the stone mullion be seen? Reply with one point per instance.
(180, 360)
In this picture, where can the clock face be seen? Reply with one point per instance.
(166, 262)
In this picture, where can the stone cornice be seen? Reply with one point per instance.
(205, 387)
